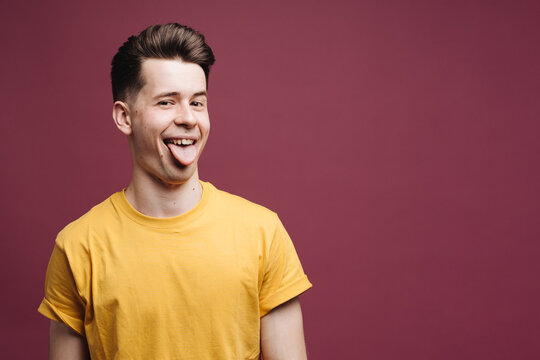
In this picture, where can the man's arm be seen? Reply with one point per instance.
(282, 332)
(66, 344)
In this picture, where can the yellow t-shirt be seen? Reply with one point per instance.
(193, 286)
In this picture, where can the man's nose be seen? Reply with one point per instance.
(185, 116)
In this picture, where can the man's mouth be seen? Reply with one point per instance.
(181, 142)
(182, 149)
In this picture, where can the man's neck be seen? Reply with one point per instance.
(152, 198)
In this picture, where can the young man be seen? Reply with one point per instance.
(171, 267)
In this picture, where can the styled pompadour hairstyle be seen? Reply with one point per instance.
(169, 41)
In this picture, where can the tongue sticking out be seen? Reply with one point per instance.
(185, 154)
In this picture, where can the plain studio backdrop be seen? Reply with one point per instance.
(397, 140)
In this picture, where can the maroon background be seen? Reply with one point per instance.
(398, 141)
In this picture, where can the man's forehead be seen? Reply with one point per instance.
(172, 75)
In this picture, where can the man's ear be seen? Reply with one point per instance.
(122, 118)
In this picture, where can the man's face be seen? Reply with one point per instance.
(169, 121)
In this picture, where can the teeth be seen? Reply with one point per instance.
(182, 141)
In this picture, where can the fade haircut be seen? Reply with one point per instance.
(169, 41)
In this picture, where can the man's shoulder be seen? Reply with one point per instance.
(90, 222)
(240, 207)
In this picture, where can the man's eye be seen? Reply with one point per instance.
(196, 103)
(165, 102)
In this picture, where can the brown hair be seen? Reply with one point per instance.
(169, 41)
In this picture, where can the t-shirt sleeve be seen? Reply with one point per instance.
(62, 301)
(283, 275)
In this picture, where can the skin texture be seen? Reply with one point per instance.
(173, 103)
(282, 333)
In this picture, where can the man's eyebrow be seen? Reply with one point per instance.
(176, 93)
(200, 93)
(167, 93)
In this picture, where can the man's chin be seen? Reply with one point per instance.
(189, 172)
